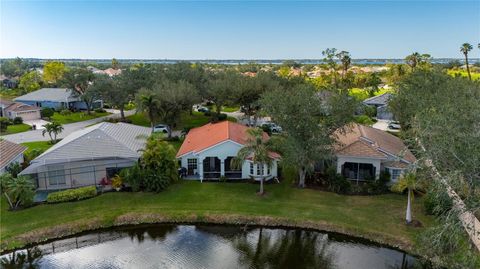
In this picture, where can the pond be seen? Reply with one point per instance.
(208, 246)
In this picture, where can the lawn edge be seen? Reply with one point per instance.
(42, 235)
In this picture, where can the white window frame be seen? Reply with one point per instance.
(395, 173)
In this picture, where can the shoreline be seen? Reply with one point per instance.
(44, 235)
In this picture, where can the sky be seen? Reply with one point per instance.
(235, 30)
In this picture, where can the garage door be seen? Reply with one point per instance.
(29, 115)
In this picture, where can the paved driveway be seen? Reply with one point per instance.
(36, 135)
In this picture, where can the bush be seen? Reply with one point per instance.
(100, 110)
(222, 116)
(173, 138)
(4, 122)
(17, 120)
(72, 195)
(133, 176)
(18, 191)
(363, 119)
(65, 112)
(207, 113)
(336, 182)
(117, 182)
(47, 112)
(370, 111)
(266, 128)
(436, 201)
(129, 106)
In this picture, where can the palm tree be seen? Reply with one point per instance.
(413, 59)
(465, 48)
(407, 182)
(147, 103)
(346, 60)
(53, 129)
(257, 148)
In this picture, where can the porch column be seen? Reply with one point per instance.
(200, 168)
(377, 166)
(222, 167)
(340, 162)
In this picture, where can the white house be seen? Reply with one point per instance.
(88, 156)
(363, 152)
(10, 153)
(207, 153)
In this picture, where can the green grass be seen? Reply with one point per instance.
(230, 108)
(76, 117)
(362, 94)
(43, 145)
(17, 128)
(378, 217)
(186, 120)
(463, 73)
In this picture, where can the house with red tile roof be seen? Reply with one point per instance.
(207, 153)
(363, 152)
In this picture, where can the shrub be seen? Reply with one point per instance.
(133, 176)
(117, 182)
(17, 120)
(4, 122)
(370, 111)
(363, 119)
(130, 106)
(65, 112)
(266, 128)
(436, 201)
(336, 182)
(222, 116)
(207, 113)
(173, 138)
(18, 191)
(72, 194)
(100, 110)
(47, 112)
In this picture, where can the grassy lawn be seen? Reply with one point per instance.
(17, 128)
(76, 117)
(43, 145)
(378, 217)
(463, 73)
(362, 94)
(186, 120)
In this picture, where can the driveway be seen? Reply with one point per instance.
(36, 135)
(383, 125)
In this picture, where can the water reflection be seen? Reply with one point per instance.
(187, 246)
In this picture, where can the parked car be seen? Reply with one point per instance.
(394, 125)
(274, 128)
(160, 128)
(200, 108)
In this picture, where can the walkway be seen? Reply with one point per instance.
(36, 135)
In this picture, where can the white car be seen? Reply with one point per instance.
(273, 127)
(160, 128)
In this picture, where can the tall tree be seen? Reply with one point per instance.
(221, 89)
(80, 80)
(115, 64)
(409, 183)
(147, 103)
(30, 81)
(53, 72)
(413, 59)
(465, 49)
(259, 148)
(53, 129)
(309, 123)
(346, 60)
(249, 91)
(173, 98)
(329, 58)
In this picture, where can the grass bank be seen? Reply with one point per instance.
(196, 119)
(76, 117)
(17, 128)
(42, 145)
(379, 218)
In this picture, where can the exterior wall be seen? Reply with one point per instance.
(80, 173)
(246, 171)
(27, 115)
(221, 151)
(17, 159)
(50, 104)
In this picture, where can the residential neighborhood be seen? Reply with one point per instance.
(228, 134)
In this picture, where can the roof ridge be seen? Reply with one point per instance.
(48, 151)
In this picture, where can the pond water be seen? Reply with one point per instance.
(208, 246)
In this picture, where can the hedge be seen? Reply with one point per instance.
(72, 195)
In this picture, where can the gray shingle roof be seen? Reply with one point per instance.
(49, 94)
(378, 100)
(100, 141)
